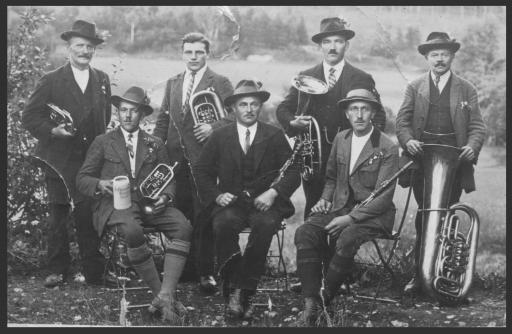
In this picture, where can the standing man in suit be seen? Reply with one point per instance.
(440, 108)
(85, 93)
(184, 141)
(361, 159)
(341, 77)
(245, 158)
(129, 151)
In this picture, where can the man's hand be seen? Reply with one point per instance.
(160, 204)
(225, 199)
(414, 147)
(338, 224)
(60, 131)
(202, 131)
(300, 122)
(105, 187)
(322, 206)
(467, 154)
(264, 201)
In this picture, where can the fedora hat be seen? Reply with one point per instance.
(438, 40)
(83, 29)
(135, 95)
(359, 94)
(332, 26)
(247, 88)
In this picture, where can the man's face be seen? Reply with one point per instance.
(247, 109)
(333, 48)
(439, 60)
(194, 55)
(129, 116)
(360, 114)
(80, 51)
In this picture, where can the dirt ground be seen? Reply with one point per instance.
(29, 303)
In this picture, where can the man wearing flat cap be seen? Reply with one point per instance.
(341, 77)
(84, 92)
(132, 152)
(361, 158)
(237, 177)
(439, 107)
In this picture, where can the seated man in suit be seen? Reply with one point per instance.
(246, 158)
(361, 159)
(132, 152)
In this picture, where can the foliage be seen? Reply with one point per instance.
(26, 199)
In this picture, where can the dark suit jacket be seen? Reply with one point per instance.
(377, 162)
(59, 87)
(221, 160)
(467, 121)
(167, 125)
(107, 158)
(330, 118)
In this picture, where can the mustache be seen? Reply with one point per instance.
(85, 56)
(333, 52)
(440, 64)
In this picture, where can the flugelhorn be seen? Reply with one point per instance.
(206, 106)
(61, 116)
(311, 139)
(448, 243)
(154, 184)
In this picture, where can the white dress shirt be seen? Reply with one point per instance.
(186, 80)
(443, 79)
(134, 141)
(81, 77)
(356, 148)
(338, 67)
(241, 133)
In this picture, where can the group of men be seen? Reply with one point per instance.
(229, 174)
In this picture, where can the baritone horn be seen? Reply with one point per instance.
(154, 184)
(448, 243)
(310, 139)
(206, 106)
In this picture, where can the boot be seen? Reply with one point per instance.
(311, 311)
(170, 310)
(247, 304)
(235, 308)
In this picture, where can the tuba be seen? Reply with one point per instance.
(448, 243)
(153, 185)
(206, 106)
(311, 139)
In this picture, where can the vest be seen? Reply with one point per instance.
(439, 120)
(84, 121)
(248, 171)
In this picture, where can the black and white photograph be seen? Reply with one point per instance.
(256, 166)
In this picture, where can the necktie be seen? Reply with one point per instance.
(332, 77)
(129, 145)
(189, 91)
(436, 82)
(247, 144)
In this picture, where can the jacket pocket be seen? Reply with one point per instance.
(368, 174)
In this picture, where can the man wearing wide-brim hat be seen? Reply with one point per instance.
(245, 157)
(132, 152)
(361, 158)
(340, 77)
(84, 92)
(439, 107)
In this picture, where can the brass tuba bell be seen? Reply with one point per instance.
(154, 184)
(448, 243)
(206, 106)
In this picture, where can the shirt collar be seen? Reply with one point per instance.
(443, 78)
(199, 74)
(79, 71)
(339, 66)
(242, 129)
(125, 133)
(365, 137)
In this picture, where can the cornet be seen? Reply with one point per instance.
(61, 116)
(154, 184)
(206, 106)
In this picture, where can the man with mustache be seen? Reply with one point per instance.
(439, 108)
(85, 93)
(184, 140)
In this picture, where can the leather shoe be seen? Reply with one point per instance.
(53, 280)
(169, 309)
(311, 310)
(413, 286)
(235, 308)
(296, 287)
(247, 304)
(207, 284)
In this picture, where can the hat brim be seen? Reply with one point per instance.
(147, 109)
(349, 34)
(342, 104)
(68, 34)
(263, 95)
(425, 48)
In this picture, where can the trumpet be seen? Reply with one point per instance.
(206, 106)
(61, 116)
(154, 184)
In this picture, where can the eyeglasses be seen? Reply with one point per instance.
(354, 110)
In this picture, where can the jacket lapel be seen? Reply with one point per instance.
(346, 151)
(206, 81)
(259, 144)
(454, 95)
(142, 150)
(119, 146)
(71, 84)
(175, 97)
(368, 149)
(233, 145)
(424, 97)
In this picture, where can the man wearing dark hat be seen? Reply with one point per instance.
(361, 158)
(341, 77)
(132, 152)
(439, 108)
(245, 157)
(184, 140)
(84, 92)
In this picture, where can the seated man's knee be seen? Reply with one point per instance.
(305, 236)
(348, 242)
(184, 231)
(223, 222)
(132, 233)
